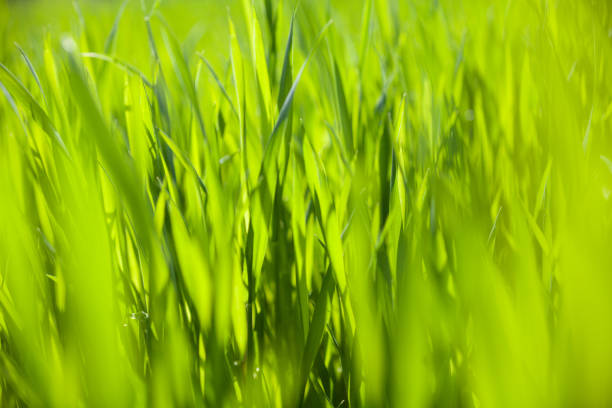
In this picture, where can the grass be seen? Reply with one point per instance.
(375, 203)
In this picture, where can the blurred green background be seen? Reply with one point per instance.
(316, 203)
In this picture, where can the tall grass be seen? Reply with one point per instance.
(279, 203)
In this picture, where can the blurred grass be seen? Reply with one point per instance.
(323, 203)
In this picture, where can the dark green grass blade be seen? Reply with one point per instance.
(317, 327)
(271, 145)
(285, 80)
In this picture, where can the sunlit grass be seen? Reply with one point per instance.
(315, 203)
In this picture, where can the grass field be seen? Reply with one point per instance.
(324, 203)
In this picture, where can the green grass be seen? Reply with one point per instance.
(316, 203)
